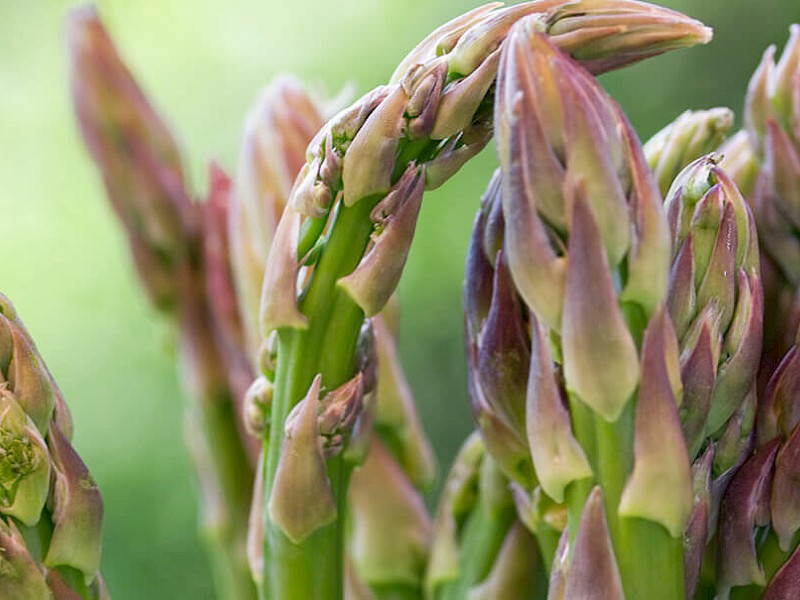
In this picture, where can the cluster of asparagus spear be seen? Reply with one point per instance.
(631, 317)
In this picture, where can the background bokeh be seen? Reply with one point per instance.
(203, 62)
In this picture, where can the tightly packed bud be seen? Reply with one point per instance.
(759, 519)
(44, 485)
(550, 108)
(137, 156)
(739, 161)
(715, 302)
(693, 134)
(278, 128)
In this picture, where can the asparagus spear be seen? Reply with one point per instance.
(51, 512)
(143, 175)
(587, 246)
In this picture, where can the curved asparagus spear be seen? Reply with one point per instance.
(344, 237)
(51, 512)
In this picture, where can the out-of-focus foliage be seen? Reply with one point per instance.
(203, 63)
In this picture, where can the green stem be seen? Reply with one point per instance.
(226, 501)
(578, 491)
(482, 538)
(314, 568)
(217, 449)
(396, 592)
(614, 461)
(650, 560)
(547, 540)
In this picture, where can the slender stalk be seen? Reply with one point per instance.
(314, 568)
(396, 592)
(483, 536)
(614, 463)
(218, 452)
(578, 491)
(225, 533)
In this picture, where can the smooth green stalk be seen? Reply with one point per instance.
(614, 443)
(578, 491)
(396, 592)
(483, 536)
(225, 539)
(314, 568)
(547, 540)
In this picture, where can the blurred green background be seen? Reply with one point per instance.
(203, 62)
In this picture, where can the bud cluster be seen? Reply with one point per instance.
(45, 488)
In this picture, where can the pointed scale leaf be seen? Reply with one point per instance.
(698, 372)
(660, 487)
(279, 289)
(785, 496)
(301, 500)
(370, 158)
(532, 173)
(601, 364)
(503, 349)
(682, 295)
(20, 576)
(77, 510)
(779, 411)
(743, 350)
(737, 561)
(757, 108)
(557, 456)
(391, 529)
(651, 245)
(513, 574)
(696, 535)
(786, 581)
(589, 158)
(593, 565)
(719, 272)
(375, 278)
